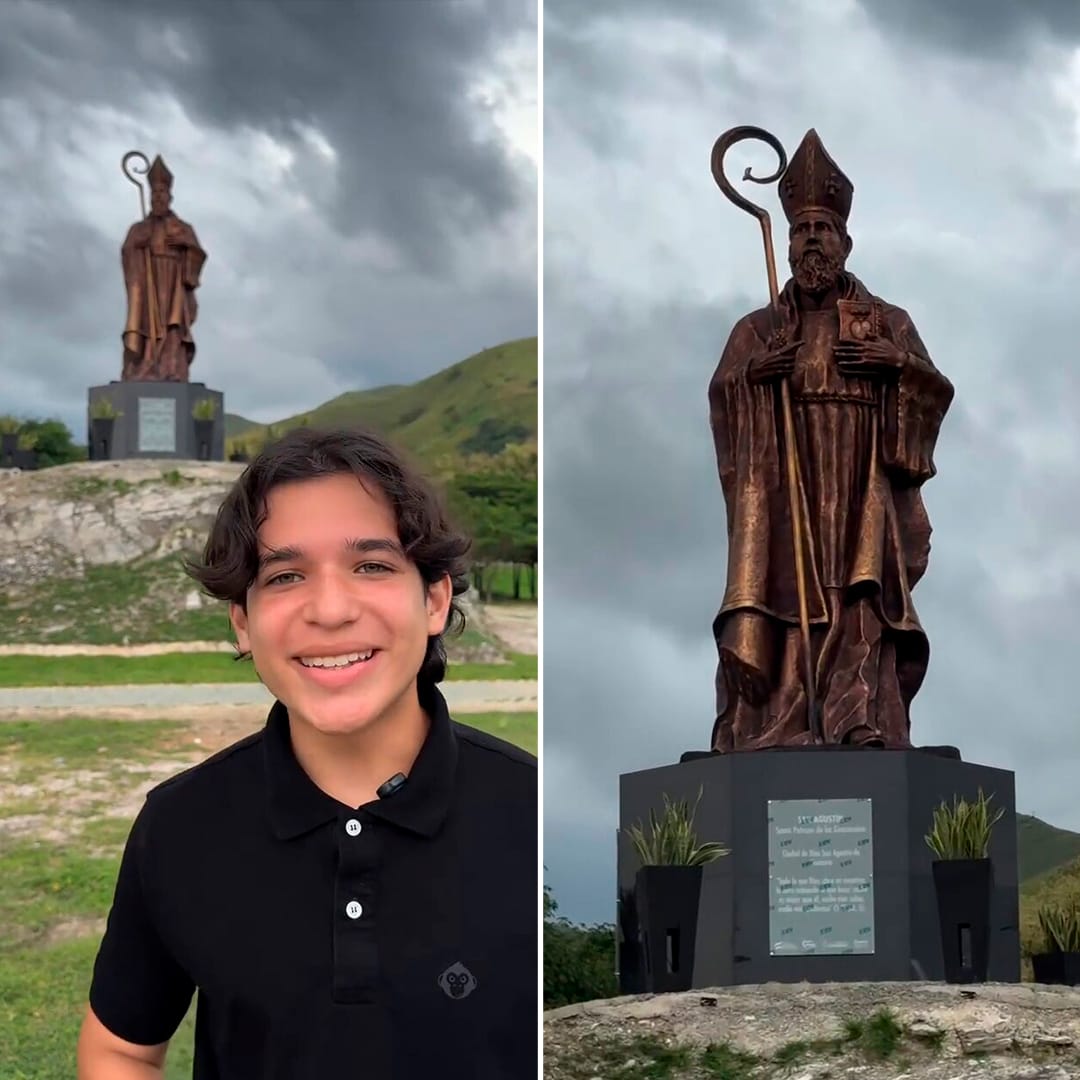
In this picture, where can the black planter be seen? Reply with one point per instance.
(667, 899)
(239, 457)
(101, 436)
(963, 889)
(1057, 968)
(204, 435)
(9, 443)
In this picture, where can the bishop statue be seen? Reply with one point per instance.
(162, 261)
(867, 404)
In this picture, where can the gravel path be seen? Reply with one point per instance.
(465, 696)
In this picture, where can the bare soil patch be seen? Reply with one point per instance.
(515, 625)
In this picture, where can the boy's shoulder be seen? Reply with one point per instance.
(237, 759)
(491, 749)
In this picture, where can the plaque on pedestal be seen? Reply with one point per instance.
(821, 877)
(157, 425)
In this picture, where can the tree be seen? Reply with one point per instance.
(495, 499)
(579, 961)
(52, 441)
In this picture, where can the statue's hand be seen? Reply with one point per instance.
(878, 358)
(744, 679)
(774, 365)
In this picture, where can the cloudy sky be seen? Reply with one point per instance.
(962, 137)
(362, 174)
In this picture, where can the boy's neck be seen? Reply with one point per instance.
(351, 768)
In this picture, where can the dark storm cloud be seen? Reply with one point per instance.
(994, 29)
(384, 81)
(648, 268)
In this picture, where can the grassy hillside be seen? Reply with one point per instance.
(237, 425)
(1043, 847)
(1057, 888)
(477, 406)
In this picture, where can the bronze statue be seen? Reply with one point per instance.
(825, 410)
(162, 262)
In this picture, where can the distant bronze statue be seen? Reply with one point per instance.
(162, 262)
(825, 410)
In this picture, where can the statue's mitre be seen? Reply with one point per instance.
(813, 181)
(158, 173)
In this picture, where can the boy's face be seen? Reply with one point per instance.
(334, 583)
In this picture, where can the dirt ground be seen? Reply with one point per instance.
(515, 625)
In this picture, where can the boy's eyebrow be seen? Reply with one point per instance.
(360, 545)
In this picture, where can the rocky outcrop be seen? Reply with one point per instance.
(56, 521)
(873, 1031)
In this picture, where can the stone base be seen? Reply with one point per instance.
(156, 422)
(732, 944)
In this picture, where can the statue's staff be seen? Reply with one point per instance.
(721, 147)
(152, 297)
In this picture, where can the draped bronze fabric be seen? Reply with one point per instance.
(865, 448)
(175, 260)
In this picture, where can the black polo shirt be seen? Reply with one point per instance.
(396, 940)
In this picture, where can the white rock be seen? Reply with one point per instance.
(193, 600)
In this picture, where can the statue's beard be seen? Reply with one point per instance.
(815, 272)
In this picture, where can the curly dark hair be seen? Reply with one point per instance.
(230, 560)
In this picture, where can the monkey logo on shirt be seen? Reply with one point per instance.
(457, 981)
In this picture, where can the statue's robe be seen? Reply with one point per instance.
(175, 263)
(865, 447)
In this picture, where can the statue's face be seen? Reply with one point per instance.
(817, 251)
(160, 197)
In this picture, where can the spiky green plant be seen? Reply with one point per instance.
(27, 440)
(204, 409)
(1061, 928)
(104, 409)
(671, 841)
(962, 831)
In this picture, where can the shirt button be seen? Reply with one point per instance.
(353, 909)
(353, 827)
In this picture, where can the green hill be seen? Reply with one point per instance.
(1049, 875)
(237, 425)
(477, 406)
(1056, 888)
(1043, 847)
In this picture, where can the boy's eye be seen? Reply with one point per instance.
(280, 578)
(373, 567)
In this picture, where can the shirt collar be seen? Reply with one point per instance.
(295, 805)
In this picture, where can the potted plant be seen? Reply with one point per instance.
(239, 451)
(1060, 962)
(964, 881)
(203, 414)
(103, 417)
(667, 892)
(9, 439)
(26, 450)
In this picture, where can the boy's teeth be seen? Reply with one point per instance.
(335, 661)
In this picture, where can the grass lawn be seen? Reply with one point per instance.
(55, 891)
(192, 668)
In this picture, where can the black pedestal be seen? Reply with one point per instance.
(901, 938)
(156, 421)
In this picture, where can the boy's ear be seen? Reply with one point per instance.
(439, 595)
(238, 618)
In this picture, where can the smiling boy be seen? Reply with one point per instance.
(353, 889)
